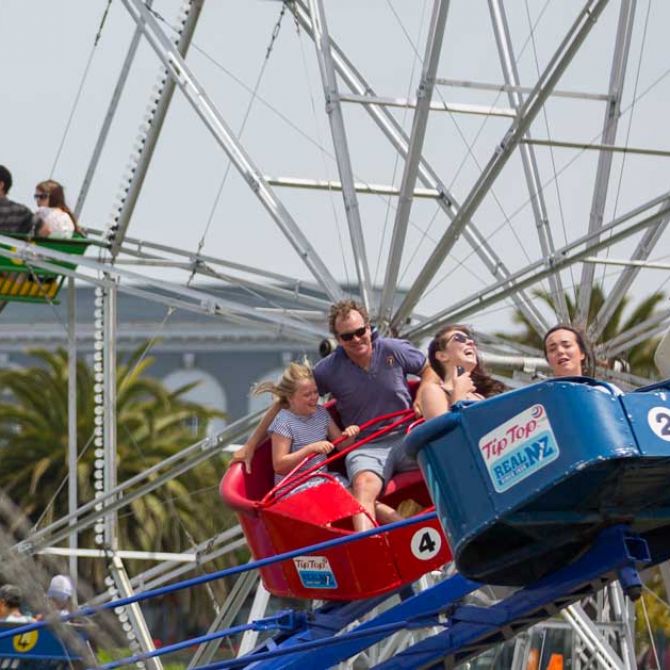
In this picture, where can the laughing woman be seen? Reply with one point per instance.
(453, 356)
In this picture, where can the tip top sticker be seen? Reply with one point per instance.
(519, 447)
(315, 572)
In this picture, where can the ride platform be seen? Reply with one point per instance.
(524, 481)
(21, 282)
(277, 520)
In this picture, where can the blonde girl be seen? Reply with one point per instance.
(302, 427)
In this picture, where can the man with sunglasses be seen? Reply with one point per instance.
(14, 217)
(367, 374)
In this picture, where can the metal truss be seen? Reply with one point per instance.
(531, 107)
(197, 96)
(157, 290)
(303, 321)
(564, 257)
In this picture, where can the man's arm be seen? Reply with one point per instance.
(414, 362)
(428, 377)
(432, 399)
(246, 452)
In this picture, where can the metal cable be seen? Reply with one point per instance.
(77, 97)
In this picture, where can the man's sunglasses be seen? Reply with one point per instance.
(359, 332)
(461, 338)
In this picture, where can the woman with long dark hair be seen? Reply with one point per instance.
(568, 352)
(57, 219)
(453, 356)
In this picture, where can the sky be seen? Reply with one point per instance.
(57, 87)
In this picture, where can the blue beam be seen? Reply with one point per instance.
(417, 610)
(469, 633)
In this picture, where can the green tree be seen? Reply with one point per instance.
(152, 424)
(640, 357)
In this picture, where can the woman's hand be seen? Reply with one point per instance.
(351, 431)
(462, 385)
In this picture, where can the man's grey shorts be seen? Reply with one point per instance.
(384, 457)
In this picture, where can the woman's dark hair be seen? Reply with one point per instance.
(589, 364)
(484, 383)
(57, 199)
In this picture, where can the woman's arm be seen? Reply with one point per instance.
(284, 460)
(245, 453)
(433, 400)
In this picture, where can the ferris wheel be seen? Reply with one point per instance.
(442, 163)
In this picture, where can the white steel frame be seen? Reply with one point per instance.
(306, 322)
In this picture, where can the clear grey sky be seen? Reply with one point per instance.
(45, 46)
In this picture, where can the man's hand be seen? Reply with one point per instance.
(428, 377)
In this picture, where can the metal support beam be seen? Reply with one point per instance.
(139, 485)
(109, 117)
(225, 617)
(339, 135)
(535, 272)
(647, 265)
(608, 137)
(599, 648)
(548, 79)
(159, 290)
(134, 555)
(168, 571)
(330, 185)
(435, 106)
(136, 618)
(614, 296)
(225, 137)
(159, 108)
(612, 148)
(72, 493)
(623, 612)
(257, 611)
(400, 141)
(108, 347)
(528, 159)
(424, 96)
(503, 88)
(638, 333)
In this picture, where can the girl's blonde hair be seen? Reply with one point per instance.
(287, 384)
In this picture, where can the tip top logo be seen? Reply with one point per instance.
(315, 572)
(519, 447)
(518, 429)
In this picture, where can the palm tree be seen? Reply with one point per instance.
(639, 357)
(152, 424)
